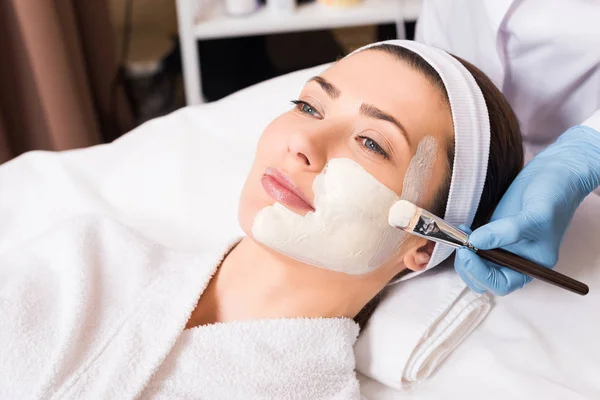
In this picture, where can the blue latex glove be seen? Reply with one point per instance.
(535, 212)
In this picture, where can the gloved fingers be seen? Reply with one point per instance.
(459, 269)
(465, 229)
(499, 233)
(514, 280)
(498, 280)
(474, 287)
(459, 263)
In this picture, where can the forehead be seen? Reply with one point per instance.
(392, 85)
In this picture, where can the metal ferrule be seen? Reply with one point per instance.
(434, 228)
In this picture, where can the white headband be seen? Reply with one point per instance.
(471, 139)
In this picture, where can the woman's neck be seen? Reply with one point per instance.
(254, 282)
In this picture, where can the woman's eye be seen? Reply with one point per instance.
(306, 108)
(373, 146)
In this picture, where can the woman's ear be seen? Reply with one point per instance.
(417, 258)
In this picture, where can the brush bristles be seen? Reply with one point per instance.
(404, 215)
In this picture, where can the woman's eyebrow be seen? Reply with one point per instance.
(367, 110)
(371, 111)
(327, 86)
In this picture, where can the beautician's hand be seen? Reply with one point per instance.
(533, 215)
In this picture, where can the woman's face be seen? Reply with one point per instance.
(370, 108)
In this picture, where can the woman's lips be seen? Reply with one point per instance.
(283, 190)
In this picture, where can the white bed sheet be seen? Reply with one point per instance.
(540, 342)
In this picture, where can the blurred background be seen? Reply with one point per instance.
(79, 73)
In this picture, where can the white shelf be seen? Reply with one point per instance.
(215, 24)
(311, 16)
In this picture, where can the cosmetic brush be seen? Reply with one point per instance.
(411, 219)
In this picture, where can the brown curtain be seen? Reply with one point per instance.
(57, 68)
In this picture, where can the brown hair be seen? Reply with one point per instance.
(506, 148)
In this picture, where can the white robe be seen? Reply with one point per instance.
(92, 310)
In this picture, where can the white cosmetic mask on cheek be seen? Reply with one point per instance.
(349, 230)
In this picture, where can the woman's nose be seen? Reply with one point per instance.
(309, 149)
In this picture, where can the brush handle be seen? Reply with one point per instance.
(519, 264)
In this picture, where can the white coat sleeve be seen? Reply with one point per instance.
(593, 121)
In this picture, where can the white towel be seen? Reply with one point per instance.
(297, 358)
(417, 325)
